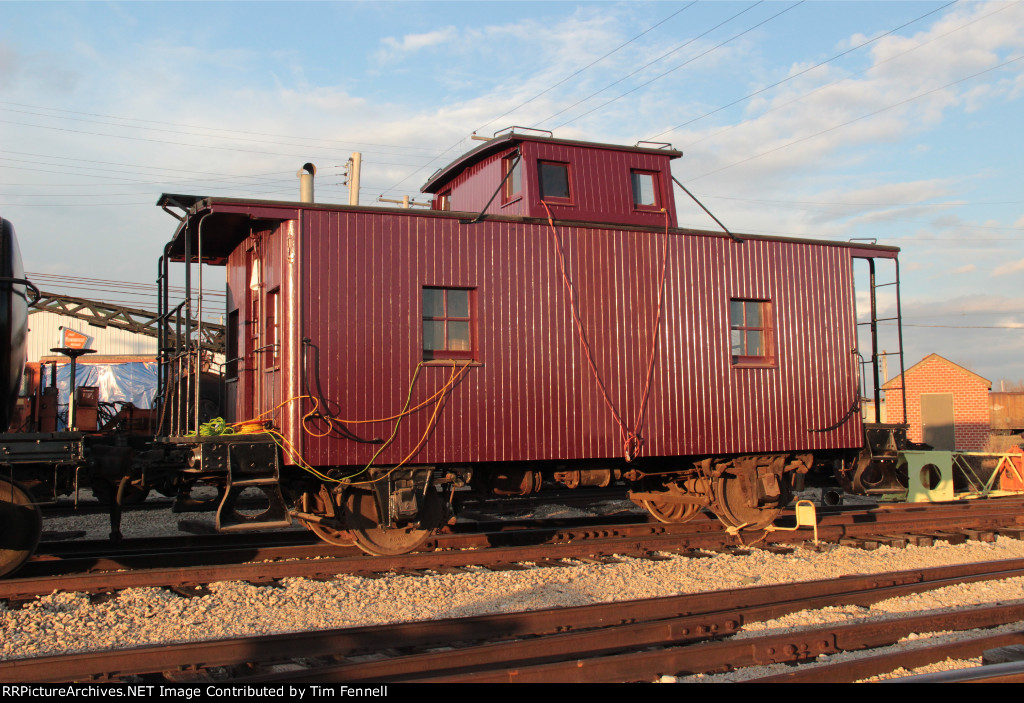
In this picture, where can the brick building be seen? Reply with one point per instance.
(947, 405)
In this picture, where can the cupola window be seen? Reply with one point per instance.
(645, 189)
(554, 180)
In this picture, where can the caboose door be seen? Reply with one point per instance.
(263, 349)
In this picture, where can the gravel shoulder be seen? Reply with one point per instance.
(72, 622)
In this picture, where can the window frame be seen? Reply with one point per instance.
(655, 188)
(512, 191)
(231, 356)
(766, 328)
(447, 354)
(541, 163)
(272, 330)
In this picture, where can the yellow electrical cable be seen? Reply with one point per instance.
(257, 426)
(426, 433)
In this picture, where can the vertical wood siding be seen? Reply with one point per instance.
(533, 397)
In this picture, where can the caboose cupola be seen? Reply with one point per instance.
(519, 174)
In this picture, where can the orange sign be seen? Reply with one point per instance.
(70, 339)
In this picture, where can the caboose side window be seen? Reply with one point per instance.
(447, 323)
(750, 332)
(554, 180)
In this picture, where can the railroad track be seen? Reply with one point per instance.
(495, 546)
(620, 641)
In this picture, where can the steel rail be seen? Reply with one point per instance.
(1007, 672)
(866, 667)
(567, 632)
(791, 647)
(526, 545)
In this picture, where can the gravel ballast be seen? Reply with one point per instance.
(71, 622)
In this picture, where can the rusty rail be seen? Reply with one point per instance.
(533, 639)
(895, 525)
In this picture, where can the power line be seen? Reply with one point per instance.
(649, 63)
(589, 65)
(888, 217)
(857, 119)
(136, 167)
(972, 327)
(835, 83)
(685, 63)
(276, 137)
(395, 188)
(800, 73)
(108, 284)
(840, 203)
(173, 143)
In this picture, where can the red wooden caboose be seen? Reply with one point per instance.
(545, 322)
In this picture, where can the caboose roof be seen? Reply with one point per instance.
(228, 221)
(444, 175)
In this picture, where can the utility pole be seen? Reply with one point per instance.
(404, 202)
(352, 177)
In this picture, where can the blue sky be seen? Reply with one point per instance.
(897, 121)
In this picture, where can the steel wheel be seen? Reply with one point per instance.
(731, 507)
(668, 511)
(21, 526)
(362, 521)
(323, 505)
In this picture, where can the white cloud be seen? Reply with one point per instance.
(415, 42)
(1008, 268)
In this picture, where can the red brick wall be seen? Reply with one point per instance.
(971, 417)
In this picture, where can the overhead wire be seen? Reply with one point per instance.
(682, 65)
(858, 119)
(346, 143)
(789, 78)
(230, 132)
(584, 68)
(970, 327)
(176, 143)
(543, 92)
(74, 280)
(136, 168)
(677, 48)
(804, 71)
(835, 209)
(846, 78)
